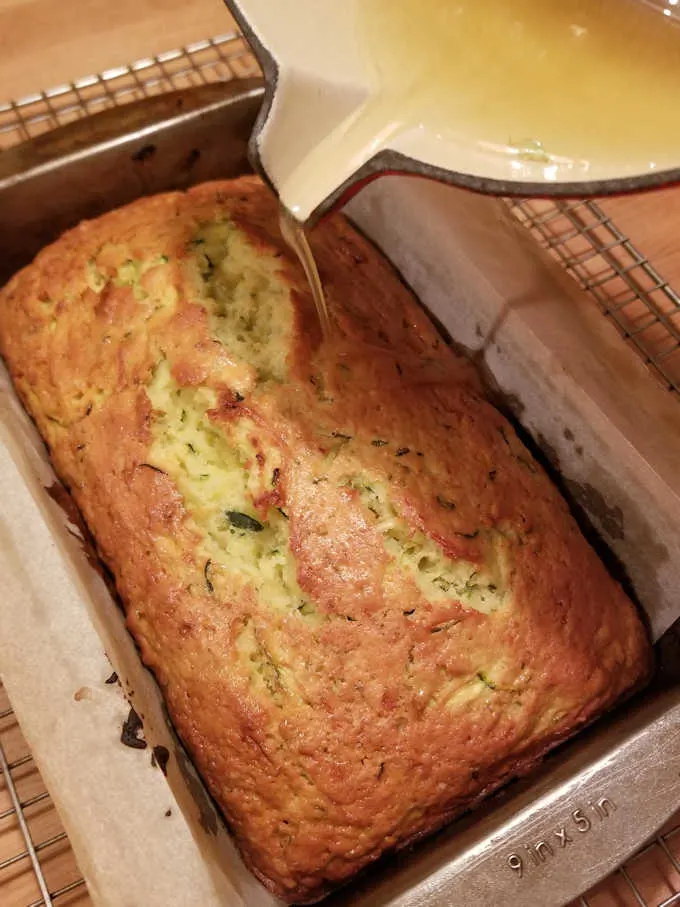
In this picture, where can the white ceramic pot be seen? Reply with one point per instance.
(318, 75)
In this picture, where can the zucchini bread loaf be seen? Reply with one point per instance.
(366, 605)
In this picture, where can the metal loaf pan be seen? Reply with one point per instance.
(544, 839)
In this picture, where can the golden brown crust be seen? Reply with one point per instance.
(332, 731)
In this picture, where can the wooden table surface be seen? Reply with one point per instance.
(43, 43)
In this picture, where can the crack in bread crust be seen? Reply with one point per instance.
(365, 604)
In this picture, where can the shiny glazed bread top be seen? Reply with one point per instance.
(365, 603)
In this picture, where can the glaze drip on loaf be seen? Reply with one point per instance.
(367, 606)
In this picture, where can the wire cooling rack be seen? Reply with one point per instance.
(218, 59)
(37, 866)
(624, 283)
